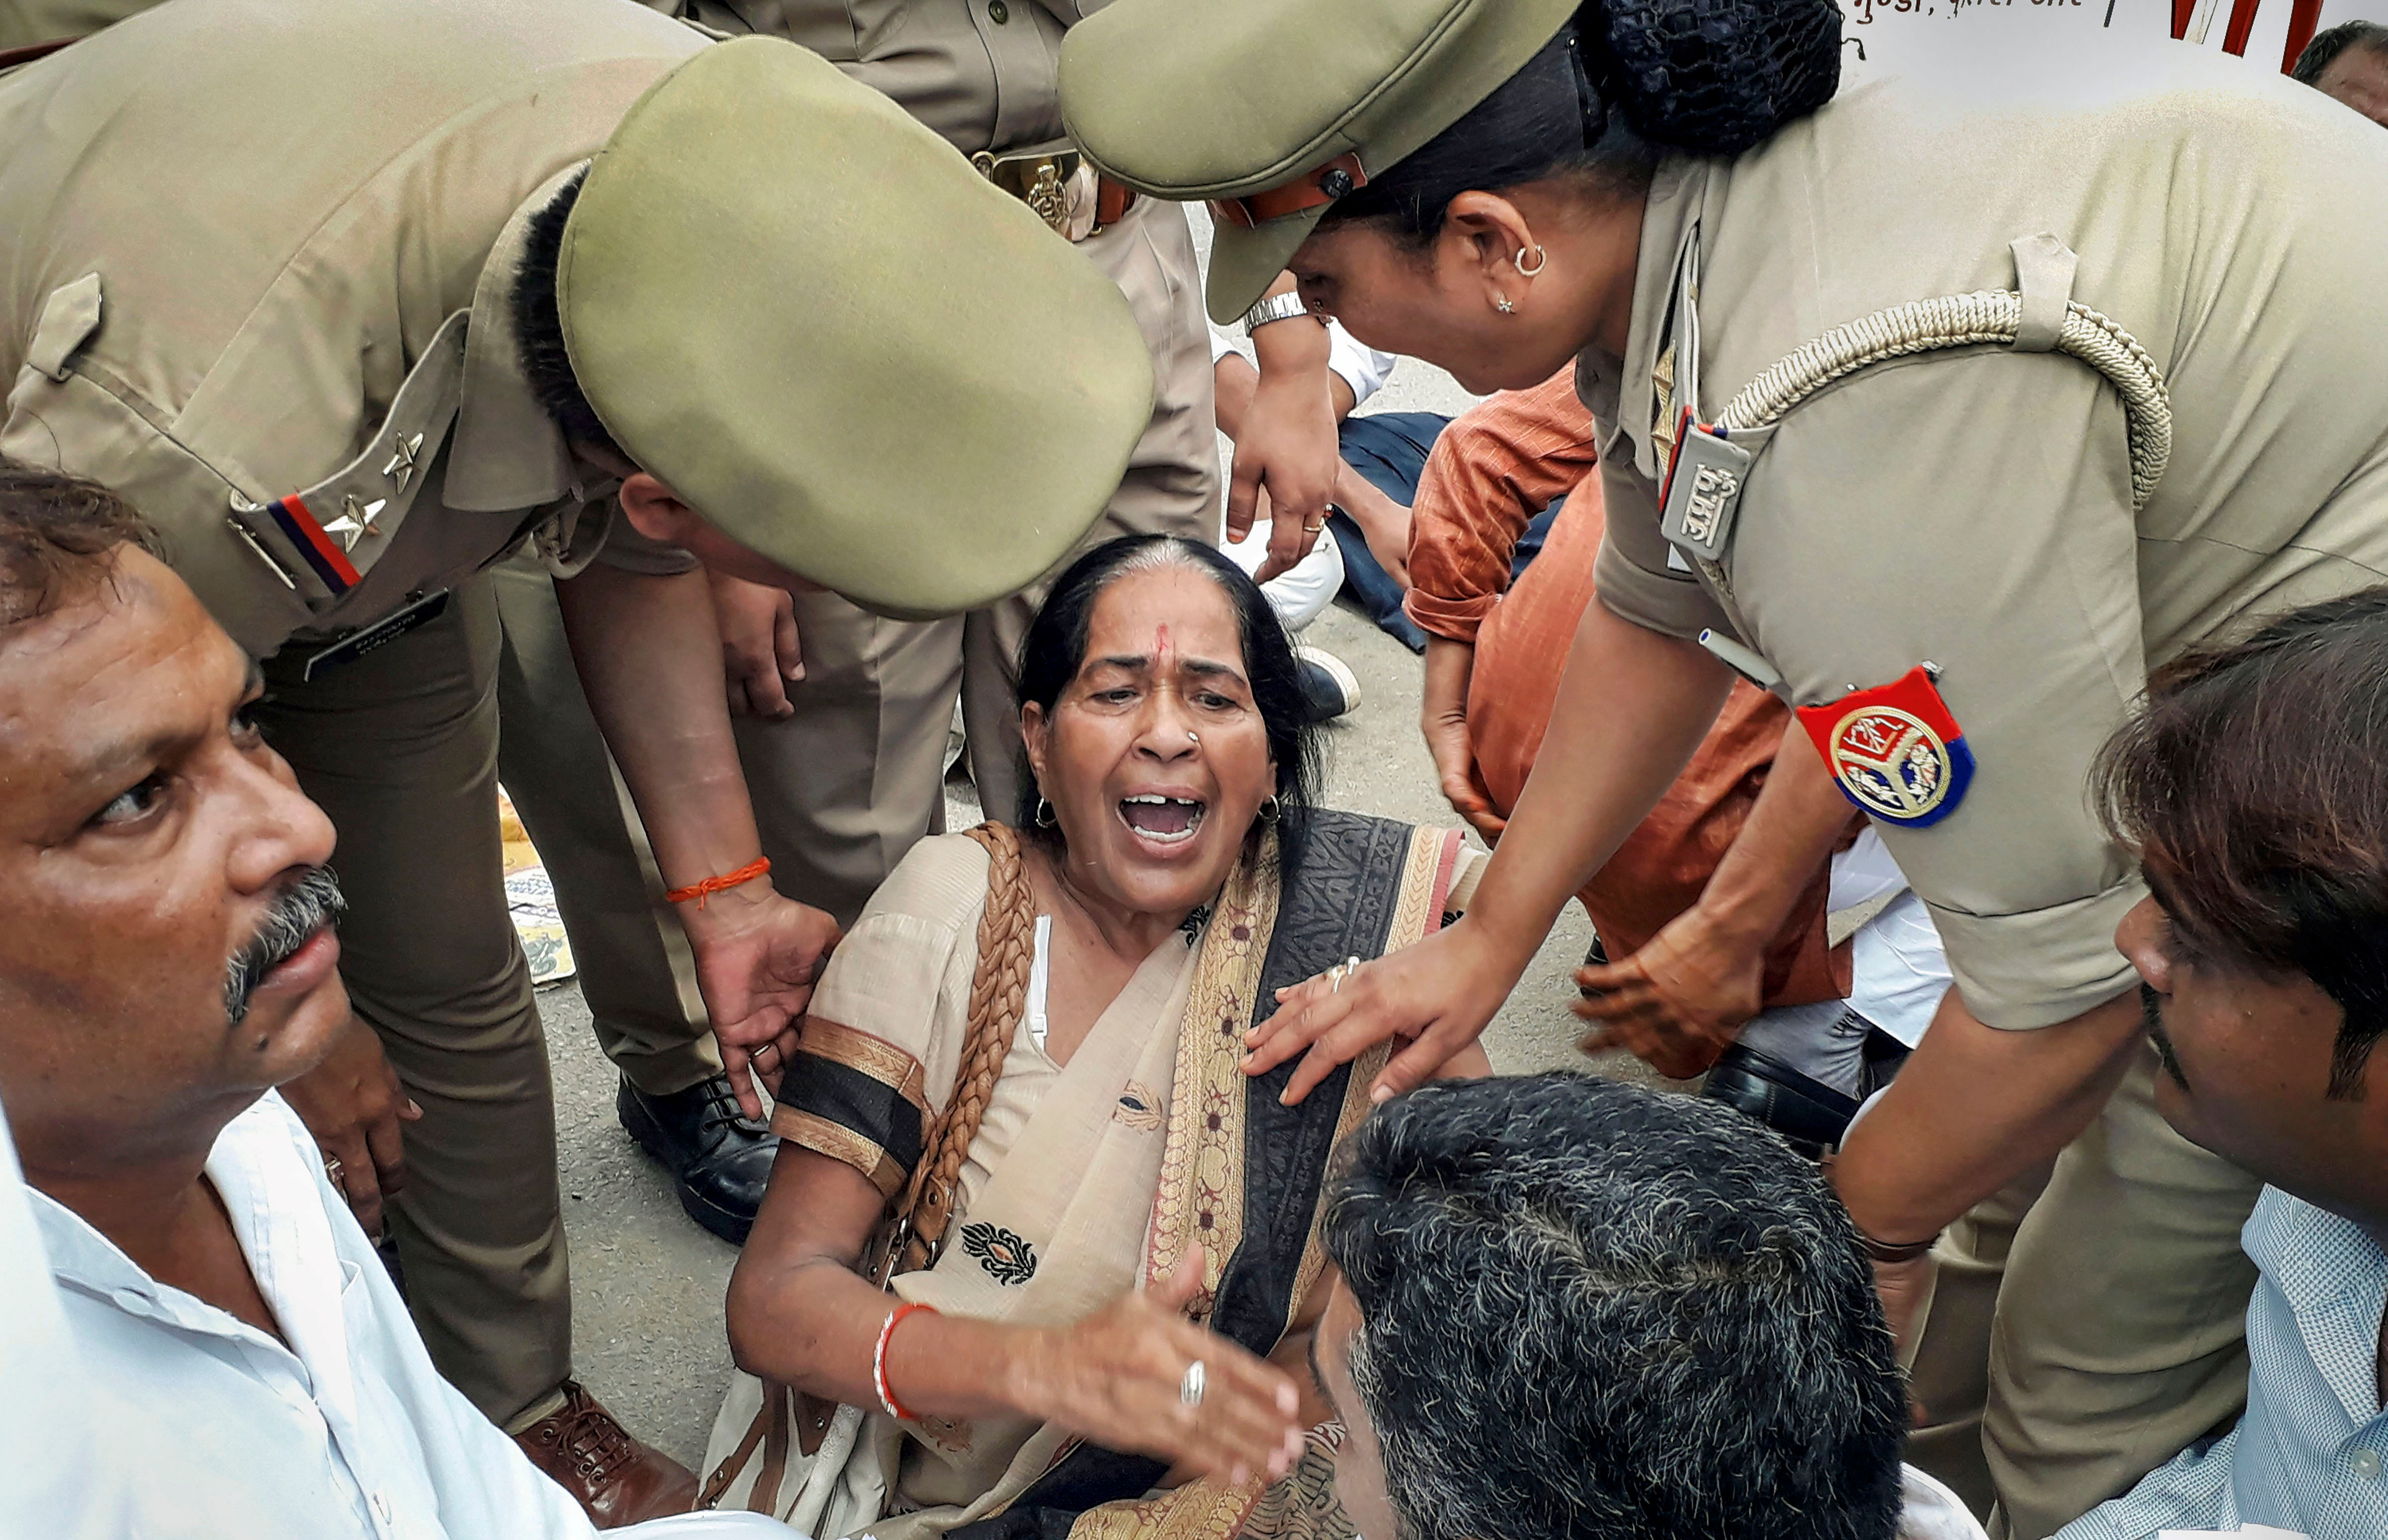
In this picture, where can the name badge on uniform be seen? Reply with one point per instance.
(380, 633)
(1704, 481)
(1895, 751)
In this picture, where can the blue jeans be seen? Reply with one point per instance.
(1390, 449)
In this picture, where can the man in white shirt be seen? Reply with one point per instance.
(168, 956)
(55, 1453)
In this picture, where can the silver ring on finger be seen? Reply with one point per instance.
(1340, 972)
(1190, 1388)
(333, 1169)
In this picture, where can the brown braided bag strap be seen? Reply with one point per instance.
(1007, 951)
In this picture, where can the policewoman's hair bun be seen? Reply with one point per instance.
(1715, 77)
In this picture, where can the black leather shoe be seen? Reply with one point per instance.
(1811, 1116)
(718, 1158)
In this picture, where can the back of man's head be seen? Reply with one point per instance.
(1588, 1310)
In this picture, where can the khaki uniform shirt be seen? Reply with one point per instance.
(980, 72)
(237, 229)
(29, 21)
(1973, 508)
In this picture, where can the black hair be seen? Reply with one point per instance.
(1055, 647)
(1547, 122)
(2254, 784)
(1620, 83)
(1588, 1309)
(59, 534)
(538, 325)
(2323, 51)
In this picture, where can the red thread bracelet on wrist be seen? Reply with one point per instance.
(879, 1361)
(711, 885)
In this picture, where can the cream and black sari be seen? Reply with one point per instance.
(1087, 1179)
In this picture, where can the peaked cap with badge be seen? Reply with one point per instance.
(1273, 109)
(921, 445)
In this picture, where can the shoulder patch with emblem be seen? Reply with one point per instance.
(1895, 751)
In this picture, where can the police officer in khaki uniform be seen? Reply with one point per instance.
(338, 298)
(1949, 408)
(847, 764)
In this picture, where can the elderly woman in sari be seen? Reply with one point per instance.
(1115, 1328)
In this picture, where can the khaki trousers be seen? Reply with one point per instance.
(399, 748)
(845, 785)
(841, 790)
(2089, 1333)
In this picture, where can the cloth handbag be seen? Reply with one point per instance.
(828, 1469)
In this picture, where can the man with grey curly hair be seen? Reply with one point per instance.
(1573, 1308)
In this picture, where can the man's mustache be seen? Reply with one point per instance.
(2151, 1021)
(305, 907)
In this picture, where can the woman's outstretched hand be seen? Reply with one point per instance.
(1435, 997)
(1119, 1377)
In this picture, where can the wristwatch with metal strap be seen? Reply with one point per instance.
(1281, 307)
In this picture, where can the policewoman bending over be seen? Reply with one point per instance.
(1955, 532)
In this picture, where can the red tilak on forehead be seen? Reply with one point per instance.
(1161, 648)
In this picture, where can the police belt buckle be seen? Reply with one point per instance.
(1057, 184)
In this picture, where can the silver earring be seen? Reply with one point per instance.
(1503, 304)
(1272, 810)
(1542, 261)
(1044, 818)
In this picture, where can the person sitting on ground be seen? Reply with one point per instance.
(1715, 910)
(1033, 1042)
(2349, 63)
(168, 956)
(2255, 788)
(1569, 1306)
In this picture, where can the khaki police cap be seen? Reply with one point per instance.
(810, 317)
(1273, 109)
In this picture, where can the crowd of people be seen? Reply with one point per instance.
(1915, 580)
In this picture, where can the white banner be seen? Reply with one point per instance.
(1885, 34)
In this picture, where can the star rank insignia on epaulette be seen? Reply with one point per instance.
(321, 554)
(1895, 751)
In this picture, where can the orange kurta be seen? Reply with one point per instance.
(1492, 468)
